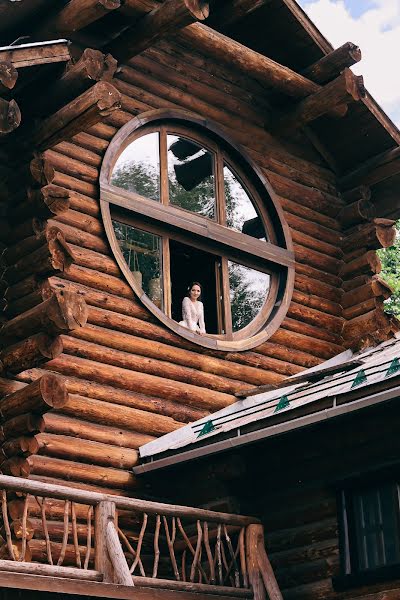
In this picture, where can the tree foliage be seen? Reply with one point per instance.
(390, 258)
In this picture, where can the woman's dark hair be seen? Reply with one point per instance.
(190, 287)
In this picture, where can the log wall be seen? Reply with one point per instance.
(131, 379)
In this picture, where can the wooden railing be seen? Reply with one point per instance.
(66, 532)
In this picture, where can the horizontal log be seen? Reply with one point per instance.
(78, 428)
(364, 324)
(82, 112)
(70, 166)
(22, 288)
(108, 413)
(91, 67)
(10, 116)
(295, 324)
(30, 352)
(92, 389)
(312, 198)
(67, 469)
(162, 387)
(99, 299)
(85, 148)
(52, 256)
(22, 425)
(72, 225)
(94, 260)
(20, 446)
(315, 259)
(64, 311)
(34, 527)
(319, 245)
(177, 356)
(167, 18)
(37, 397)
(8, 386)
(310, 228)
(361, 192)
(372, 287)
(76, 15)
(314, 287)
(330, 65)
(367, 263)
(304, 343)
(356, 212)
(315, 317)
(42, 203)
(23, 304)
(8, 75)
(70, 448)
(344, 89)
(380, 233)
(362, 307)
(317, 302)
(50, 570)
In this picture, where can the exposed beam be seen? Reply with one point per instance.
(76, 15)
(167, 18)
(92, 66)
(10, 116)
(346, 88)
(329, 67)
(82, 112)
(30, 55)
(373, 171)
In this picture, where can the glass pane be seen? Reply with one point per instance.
(240, 212)
(376, 524)
(191, 176)
(143, 253)
(138, 167)
(248, 291)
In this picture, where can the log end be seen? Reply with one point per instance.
(10, 116)
(53, 390)
(200, 9)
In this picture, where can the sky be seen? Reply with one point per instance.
(374, 25)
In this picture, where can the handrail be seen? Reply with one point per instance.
(49, 529)
(93, 498)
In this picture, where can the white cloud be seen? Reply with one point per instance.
(377, 32)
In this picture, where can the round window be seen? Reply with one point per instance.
(196, 232)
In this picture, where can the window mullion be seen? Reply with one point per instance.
(226, 301)
(164, 184)
(219, 189)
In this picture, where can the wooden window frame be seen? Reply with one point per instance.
(351, 575)
(274, 257)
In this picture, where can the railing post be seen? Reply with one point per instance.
(265, 568)
(255, 579)
(105, 512)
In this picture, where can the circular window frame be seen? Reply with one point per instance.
(261, 193)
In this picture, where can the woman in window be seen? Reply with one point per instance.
(193, 310)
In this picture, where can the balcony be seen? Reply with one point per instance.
(72, 541)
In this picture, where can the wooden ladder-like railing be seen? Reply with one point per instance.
(58, 531)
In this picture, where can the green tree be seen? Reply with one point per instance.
(390, 258)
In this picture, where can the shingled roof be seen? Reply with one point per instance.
(344, 384)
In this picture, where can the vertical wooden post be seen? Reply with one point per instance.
(255, 579)
(122, 575)
(105, 512)
(260, 563)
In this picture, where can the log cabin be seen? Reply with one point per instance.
(147, 149)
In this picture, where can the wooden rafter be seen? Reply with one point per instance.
(346, 88)
(169, 17)
(29, 55)
(328, 67)
(76, 15)
(373, 171)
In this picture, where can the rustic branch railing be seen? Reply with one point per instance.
(67, 532)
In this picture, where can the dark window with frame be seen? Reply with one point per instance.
(179, 206)
(369, 533)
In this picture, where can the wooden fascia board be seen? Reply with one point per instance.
(29, 55)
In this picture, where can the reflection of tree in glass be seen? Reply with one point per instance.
(137, 177)
(246, 300)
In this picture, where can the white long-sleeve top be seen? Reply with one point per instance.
(193, 315)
